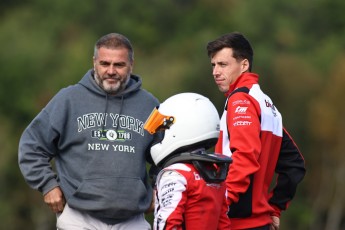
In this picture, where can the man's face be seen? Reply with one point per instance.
(226, 69)
(112, 69)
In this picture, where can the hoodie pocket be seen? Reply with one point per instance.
(114, 197)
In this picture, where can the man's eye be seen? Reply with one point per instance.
(120, 65)
(104, 64)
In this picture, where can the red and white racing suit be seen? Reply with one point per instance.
(252, 134)
(185, 201)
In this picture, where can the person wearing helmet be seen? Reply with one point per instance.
(252, 133)
(190, 192)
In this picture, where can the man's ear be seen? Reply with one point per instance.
(132, 66)
(94, 62)
(245, 65)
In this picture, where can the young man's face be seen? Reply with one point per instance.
(226, 69)
(112, 69)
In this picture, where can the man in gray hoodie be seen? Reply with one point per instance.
(94, 131)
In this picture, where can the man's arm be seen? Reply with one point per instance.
(36, 149)
(291, 170)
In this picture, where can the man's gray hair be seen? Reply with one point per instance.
(114, 41)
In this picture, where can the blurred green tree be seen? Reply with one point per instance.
(299, 51)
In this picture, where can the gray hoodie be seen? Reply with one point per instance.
(99, 146)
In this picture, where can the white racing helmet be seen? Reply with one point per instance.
(189, 121)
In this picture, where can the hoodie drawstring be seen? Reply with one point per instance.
(105, 113)
(118, 120)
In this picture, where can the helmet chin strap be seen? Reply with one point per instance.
(200, 151)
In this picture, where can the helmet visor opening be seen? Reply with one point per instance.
(157, 121)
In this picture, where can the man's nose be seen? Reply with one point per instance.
(111, 70)
(214, 70)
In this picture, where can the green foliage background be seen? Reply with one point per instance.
(299, 53)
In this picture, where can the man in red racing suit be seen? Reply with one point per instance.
(252, 133)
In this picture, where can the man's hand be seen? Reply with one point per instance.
(55, 200)
(275, 223)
